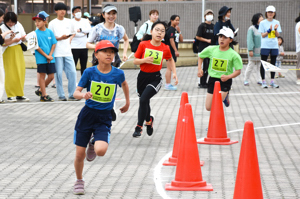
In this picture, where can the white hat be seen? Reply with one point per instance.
(270, 9)
(227, 32)
(107, 9)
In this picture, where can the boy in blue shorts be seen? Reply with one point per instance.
(43, 56)
(95, 117)
(223, 59)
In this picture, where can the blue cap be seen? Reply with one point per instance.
(44, 13)
(39, 16)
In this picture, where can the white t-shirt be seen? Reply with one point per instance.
(80, 39)
(297, 37)
(16, 28)
(60, 28)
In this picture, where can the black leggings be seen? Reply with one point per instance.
(81, 54)
(262, 70)
(144, 109)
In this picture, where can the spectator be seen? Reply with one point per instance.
(297, 32)
(146, 27)
(81, 27)
(61, 27)
(280, 56)
(13, 59)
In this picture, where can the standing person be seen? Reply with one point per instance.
(205, 35)
(253, 45)
(280, 55)
(223, 60)
(87, 15)
(269, 29)
(81, 27)
(2, 41)
(224, 20)
(13, 59)
(146, 27)
(95, 117)
(44, 56)
(297, 33)
(173, 36)
(109, 30)
(149, 56)
(61, 27)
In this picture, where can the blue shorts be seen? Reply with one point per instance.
(48, 68)
(266, 52)
(91, 121)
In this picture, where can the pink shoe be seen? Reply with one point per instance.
(90, 153)
(79, 187)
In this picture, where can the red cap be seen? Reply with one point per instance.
(39, 16)
(104, 44)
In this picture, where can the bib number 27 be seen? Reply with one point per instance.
(219, 65)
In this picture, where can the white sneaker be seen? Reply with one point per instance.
(11, 99)
(22, 99)
(298, 82)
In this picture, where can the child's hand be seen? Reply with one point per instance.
(148, 60)
(124, 58)
(276, 26)
(251, 53)
(49, 57)
(87, 95)
(124, 108)
(175, 77)
(200, 73)
(224, 78)
(177, 54)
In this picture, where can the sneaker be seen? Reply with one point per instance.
(38, 92)
(53, 86)
(150, 126)
(11, 99)
(264, 85)
(62, 99)
(137, 132)
(298, 82)
(46, 98)
(90, 153)
(2, 101)
(113, 115)
(226, 100)
(273, 85)
(79, 187)
(259, 82)
(281, 76)
(22, 98)
(170, 87)
(246, 83)
(73, 99)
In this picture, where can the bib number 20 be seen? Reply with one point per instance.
(102, 92)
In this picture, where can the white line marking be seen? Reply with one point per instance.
(157, 170)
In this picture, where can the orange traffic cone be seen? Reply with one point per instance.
(188, 175)
(217, 133)
(248, 184)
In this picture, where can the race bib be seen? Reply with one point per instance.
(271, 35)
(219, 65)
(102, 92)
(157, 55)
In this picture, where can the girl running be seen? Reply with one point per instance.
(222, 61)
(174, 36)
(111, 31)
(149, 56)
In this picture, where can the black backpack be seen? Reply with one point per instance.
(135, 42)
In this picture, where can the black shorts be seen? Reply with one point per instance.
(225, 86)
(148, 79)
(48, 68)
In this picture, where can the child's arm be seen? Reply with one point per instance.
(173, 69)
(126, 44)
(200, 71)
(172, 42)
(147, 60)
(78, 95)
(282, 52)
(44, 54)
(89, 45)
(51, 52)
(236, 73)
(126, 93)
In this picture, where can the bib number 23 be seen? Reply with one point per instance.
(219, 65)
(102, 92)
(157, 55)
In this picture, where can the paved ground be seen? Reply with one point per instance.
(37, 154)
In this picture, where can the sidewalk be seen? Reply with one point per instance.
(37, 154)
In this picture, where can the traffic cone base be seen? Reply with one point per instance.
(188, 186)
(217, 141)
(173, 162)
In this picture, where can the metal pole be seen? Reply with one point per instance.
(90, 7)
(16, 6)
(203, 10)
(71, 6)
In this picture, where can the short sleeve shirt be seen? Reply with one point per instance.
(221, 62)
(270, 41)
(146, 49)
(100, 32)
(45, 39)
(173, 33)
(103, 86)
(205, 31)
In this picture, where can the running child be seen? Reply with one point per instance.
(223, 60)
(95, 117)
(149, 56)
(280, 55)
(174, 37)
(44, 56)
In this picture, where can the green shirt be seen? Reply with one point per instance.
(221, 62)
